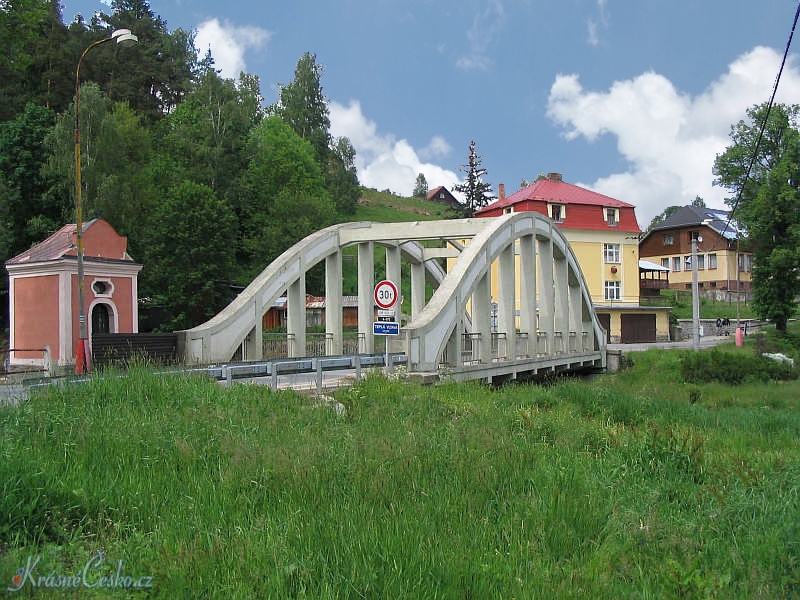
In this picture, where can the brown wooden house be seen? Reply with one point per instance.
(724, 262)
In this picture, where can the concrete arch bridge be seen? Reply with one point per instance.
(539, 319)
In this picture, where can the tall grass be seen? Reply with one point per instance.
(620, 486)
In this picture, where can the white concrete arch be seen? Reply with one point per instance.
(547, 313)
(541, 296)
(239, 323)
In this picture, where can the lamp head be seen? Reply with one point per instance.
(124, 37)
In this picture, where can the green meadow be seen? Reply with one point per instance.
(635, 484)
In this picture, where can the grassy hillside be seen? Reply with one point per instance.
(631, 485)
(385, 207)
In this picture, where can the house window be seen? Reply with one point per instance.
(687, 260)
(712, 261)
(557, 212)
(669, 240)
(693, 235)
(611, 217)
(745, 263)
(665, 263)
(676, 263)
(701, 262)
(612, 290)
(611, 253)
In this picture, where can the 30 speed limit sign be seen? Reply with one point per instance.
(385, 294)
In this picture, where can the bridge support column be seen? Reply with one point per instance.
(454, 346)
(481, 304)
(393, 272)
(561, 289)
(366, 300)
(575, 313)
(296, 317)
(254, 342)
(417, 289)
(527, 290)
(333, 304)
(546, 295)
(507, 303)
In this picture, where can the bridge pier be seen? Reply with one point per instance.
(366, 300)
(333, 304)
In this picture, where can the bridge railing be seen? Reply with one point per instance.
(283, 345)
(541, 344)
(500, 346)
(523, 350)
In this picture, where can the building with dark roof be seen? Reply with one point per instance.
(724, 261)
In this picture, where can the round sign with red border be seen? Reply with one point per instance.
(385, 294)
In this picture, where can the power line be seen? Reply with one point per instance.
(763, 125)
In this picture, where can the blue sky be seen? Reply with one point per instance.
(630, 98)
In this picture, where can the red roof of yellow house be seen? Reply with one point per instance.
(584, 207)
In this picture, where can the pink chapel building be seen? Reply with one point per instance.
(43, 293)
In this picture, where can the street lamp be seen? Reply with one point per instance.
(123, 37)
(695, 295)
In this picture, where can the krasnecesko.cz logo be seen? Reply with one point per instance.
(87, 577)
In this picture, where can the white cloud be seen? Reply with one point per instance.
(228, 44)
(383, 162)
(486, 27)
(594, 25)
(669, 138)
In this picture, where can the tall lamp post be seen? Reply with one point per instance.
(695, 295)
(124, 37)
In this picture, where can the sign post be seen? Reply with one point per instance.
(386, 299)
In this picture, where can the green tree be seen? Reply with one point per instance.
(32, 211)
(764, 177)
(421, 187)
(283, 196)
(207, 133)
(304, 107)
(189, 254)
(477, 193)
(341, 179)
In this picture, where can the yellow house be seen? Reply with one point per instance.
(604, 235)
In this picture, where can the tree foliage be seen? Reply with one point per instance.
(421, 186)
(767, 203)
(174, 156)
(189, 255)
(477, 193)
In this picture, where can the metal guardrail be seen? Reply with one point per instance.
(274, 369)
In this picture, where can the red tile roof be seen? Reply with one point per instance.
(560, 192)
(61, 243)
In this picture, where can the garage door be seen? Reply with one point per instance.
(638, 328)
(605, 321)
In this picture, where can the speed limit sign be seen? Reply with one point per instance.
(385, 294)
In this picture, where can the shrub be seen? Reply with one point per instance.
(732, 368)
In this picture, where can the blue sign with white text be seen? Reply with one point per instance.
(386, 328)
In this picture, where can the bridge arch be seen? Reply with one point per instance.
(517, 270)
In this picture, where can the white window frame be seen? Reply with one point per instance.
(611, 254)
(611, 216)
(562, 209)
(712, 261)
(676, 264)
(612, 290)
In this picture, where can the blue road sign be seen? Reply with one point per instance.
(386, 328)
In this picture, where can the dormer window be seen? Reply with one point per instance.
(557, 212)
(612, 216)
